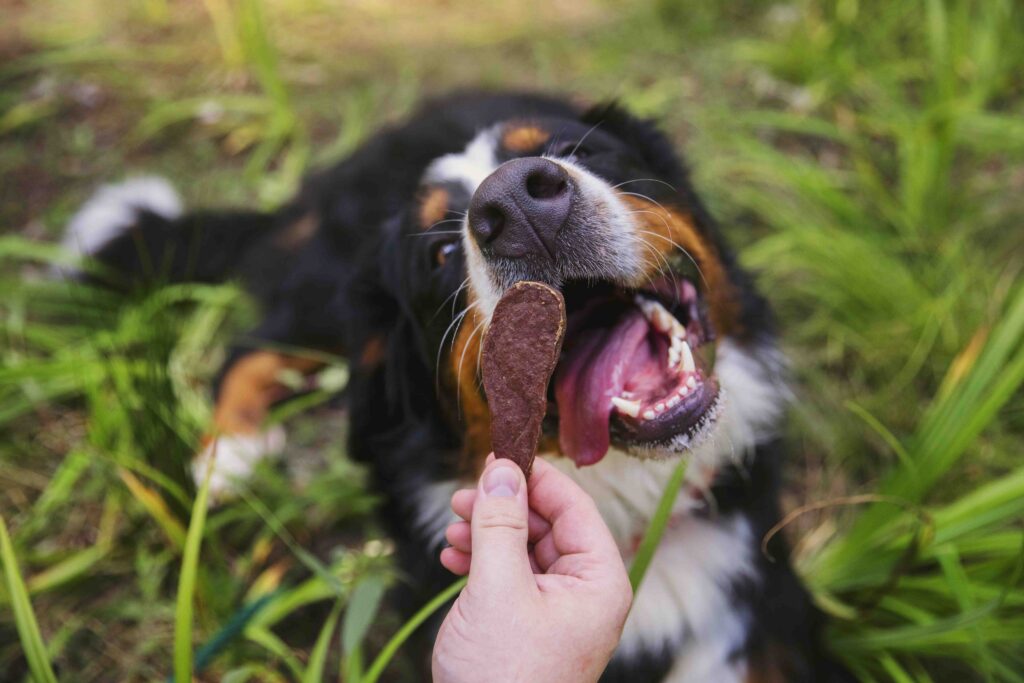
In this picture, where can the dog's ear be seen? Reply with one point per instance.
(640, 134)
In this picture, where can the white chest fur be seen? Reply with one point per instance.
(685, 602)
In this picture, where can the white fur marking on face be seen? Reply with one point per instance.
(115, 208)
(468, 167)
(613, 228)
(236, 458)
(612, 232)
(485, 290)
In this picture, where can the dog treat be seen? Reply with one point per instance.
(520, 352)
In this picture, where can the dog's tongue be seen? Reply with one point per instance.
(595, 369)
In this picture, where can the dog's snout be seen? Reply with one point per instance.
(519, 209)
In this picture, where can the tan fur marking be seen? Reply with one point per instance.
(251, 386)
(527, 138)
(372, 353)
(299, 232)
(671, 228)
(433, 207)
(474, 412)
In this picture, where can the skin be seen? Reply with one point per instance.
(548, 593)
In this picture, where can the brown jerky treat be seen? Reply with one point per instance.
(520, 352)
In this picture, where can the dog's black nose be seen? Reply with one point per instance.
(518, 210)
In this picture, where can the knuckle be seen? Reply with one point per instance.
(502, 518)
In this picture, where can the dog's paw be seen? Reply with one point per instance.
(235, 457)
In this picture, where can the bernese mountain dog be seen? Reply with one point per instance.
(395, 258)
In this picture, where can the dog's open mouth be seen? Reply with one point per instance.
(635, 369)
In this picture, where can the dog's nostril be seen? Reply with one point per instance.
(545, 185)
(489, 223)
(519, 209)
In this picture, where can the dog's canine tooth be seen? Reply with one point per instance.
(687, 354)
(626, 406)
(662, 319)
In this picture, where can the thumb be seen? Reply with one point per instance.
(499, 528)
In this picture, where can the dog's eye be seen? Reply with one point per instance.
(569, 148)
(444, 250)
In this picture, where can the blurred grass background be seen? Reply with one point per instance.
(866, 158)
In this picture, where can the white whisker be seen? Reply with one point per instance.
(458, 391)
(645, 180)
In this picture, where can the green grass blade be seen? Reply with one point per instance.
(649, 544)
(187, 582)
(389, 650)
(314, 672)
(24, 618)
(362, 610)
(266, 639)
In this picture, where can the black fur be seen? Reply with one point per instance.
(366, 276)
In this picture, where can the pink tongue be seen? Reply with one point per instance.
(595, 370)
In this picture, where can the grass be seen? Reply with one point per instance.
(867, 156)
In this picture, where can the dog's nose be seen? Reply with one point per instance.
(518, 210)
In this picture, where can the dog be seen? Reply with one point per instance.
(395, 259)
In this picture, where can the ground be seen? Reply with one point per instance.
(867, 157)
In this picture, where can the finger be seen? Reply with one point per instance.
(462, 503)
(545, 552)
(458, 536)
(455, 561)
(572, 514)
(499, 528)
(534, 565)
(579, 543)
(538, 527)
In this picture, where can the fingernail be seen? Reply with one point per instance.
(501, 481)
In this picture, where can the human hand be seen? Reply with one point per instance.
(547, 594)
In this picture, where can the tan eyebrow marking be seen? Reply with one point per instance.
(433, 207)
(524, 138)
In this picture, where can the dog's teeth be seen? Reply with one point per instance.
(687, 354)
(649, 414)
(683, 390)
(673, 356)
(659, 408)
(626, 407)
(678, 330)
(658, 316)
(674, 401)
(691, 382)
(646, 306)
(662, 319)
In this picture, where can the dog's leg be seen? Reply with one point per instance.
(252, 381)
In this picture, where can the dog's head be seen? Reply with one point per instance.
(668, 348)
